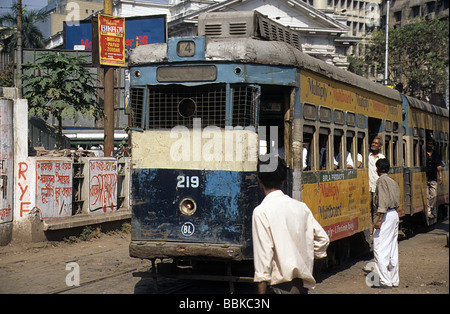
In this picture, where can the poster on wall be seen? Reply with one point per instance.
(140, 30)
(54, 187)
(102, 186)
(111, 40)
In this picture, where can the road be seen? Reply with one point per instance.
(104, 267)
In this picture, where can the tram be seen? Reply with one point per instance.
(205, 108)
(423, 122)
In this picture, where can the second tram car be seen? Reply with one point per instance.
(204, 109)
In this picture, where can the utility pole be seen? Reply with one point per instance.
(108, 97)
(387, 45)
(18, 78)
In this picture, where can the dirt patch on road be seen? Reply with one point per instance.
(40, 267)
(424, 268)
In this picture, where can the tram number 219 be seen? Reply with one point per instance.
(188, 182)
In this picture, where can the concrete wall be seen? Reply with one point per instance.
(40, 194)
(6, 170)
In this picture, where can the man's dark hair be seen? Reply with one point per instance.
(273, 179)
(383, 165)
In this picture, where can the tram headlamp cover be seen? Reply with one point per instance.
(188, 206)
(187, 107)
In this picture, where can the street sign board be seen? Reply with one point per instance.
(111, 40)
(141, 30)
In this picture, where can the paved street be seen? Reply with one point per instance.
(105, 267)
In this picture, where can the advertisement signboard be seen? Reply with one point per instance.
(140, 30)
(111, 40)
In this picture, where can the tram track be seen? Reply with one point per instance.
(83, 284)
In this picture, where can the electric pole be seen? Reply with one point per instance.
(18, 79)
(108, 97)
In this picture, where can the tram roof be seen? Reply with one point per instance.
(250, 50)
(425, 106)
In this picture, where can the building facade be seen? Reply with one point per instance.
(405, 11)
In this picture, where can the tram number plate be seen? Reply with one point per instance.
(188, 182)
(186, 48)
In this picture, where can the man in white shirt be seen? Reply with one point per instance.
(385, 246)
(349, 161)
(286, 238)
(374, 155)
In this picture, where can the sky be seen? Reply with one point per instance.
(5, 5)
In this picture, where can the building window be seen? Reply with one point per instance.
(431, 7)
(415, 11)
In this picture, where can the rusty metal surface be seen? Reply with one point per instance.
(152, 250)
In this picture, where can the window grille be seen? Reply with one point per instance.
(176, 105)
(137, 107)
(244, 105)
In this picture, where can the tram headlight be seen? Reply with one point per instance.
(188, 206)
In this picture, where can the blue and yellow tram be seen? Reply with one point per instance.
(204, 109)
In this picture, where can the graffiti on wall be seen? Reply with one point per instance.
(102, 186)
(25, 189)
(54, 188)
(6, 163)
(6, 179)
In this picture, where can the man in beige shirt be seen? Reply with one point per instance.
(374, 155)
(385, 245)
(286, 238)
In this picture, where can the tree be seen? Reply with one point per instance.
(60, 85)
(418, 56)
(7, 75)
(31, 35)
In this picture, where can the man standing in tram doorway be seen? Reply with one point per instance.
(385, 245)
(434, 176)
(286, 237)
(374, 155)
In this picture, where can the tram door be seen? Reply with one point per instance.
(374, 129)
(274, 136)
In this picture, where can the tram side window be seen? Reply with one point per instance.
(415, 153)
(422, 161)
(361, 153)
(442, 150)
(337, 152)
(444, 155)
(387, 148)
(308, 147)
(419, 152)
(350, 152)
(406, 161)
(395, 151)
(323, 148)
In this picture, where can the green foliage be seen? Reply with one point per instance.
(418, 56)
(356, 65)
(31, 35)
(60, 85)
(7, 76)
